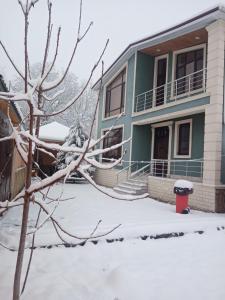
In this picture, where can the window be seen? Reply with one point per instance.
(114, 137)
(183, 138)
(189, 71)
(115, 94)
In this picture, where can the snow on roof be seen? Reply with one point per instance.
(54, 132)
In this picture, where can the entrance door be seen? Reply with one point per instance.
(161, 150)
(161, 81)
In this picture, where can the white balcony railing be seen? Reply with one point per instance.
(172, 91)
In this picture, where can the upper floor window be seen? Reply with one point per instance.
(113, 138)
(189, 71)
(115, 94)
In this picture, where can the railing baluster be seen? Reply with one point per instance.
(181, 87)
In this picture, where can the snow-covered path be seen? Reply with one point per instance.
(188, 267)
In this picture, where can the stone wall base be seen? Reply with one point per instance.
(109, 178)
(205, 197)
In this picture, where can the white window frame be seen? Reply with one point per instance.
(168, 124)
(157, 58)
(184, 50)
(125, 66)
(176, 138)
(101, 143)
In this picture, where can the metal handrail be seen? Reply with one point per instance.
(180, 87)
(140, 170)
(165, 168)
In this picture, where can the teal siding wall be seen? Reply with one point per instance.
(142, 140)
(125, 120)
(144, 73)
(198, 122)
(141, 143)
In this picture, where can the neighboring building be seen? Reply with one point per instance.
(170, 89)
(12, 168)
(53, 133)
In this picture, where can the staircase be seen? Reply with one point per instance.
(136, 186)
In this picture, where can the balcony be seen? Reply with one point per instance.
(181, 88)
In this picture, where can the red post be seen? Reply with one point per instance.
(181, 203)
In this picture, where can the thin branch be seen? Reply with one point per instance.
(13, 64)
(44, 208)
(72, 101)
(54, 59)
(112, 195)
(78, 40)
(49, 30)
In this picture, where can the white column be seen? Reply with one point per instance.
(214, 111)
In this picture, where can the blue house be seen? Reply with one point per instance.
(169, 88)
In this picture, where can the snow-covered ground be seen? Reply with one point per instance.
(188, 267)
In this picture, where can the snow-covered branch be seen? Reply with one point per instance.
(74, 99)
(60, 92)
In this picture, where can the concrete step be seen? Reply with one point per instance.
(124, 191)
(137, 190)
(129, 186)
(135, 184)
(137, 181)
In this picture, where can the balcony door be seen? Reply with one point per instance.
(160, 79)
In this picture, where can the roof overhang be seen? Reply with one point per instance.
(195, 23)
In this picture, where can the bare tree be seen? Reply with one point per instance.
(35, 96)
(82, 110)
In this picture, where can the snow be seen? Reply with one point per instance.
(182, 184)
(54, 132)
(188, 267)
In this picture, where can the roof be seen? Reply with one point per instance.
(54, 132)
(199, 21)
(15, 107)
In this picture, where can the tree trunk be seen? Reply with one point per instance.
(20, 255)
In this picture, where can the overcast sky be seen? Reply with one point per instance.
(122, 21)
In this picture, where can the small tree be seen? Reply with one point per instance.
(34, 95)
(76, 138)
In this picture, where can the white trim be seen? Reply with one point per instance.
(173, 103)
(102, 133)
(131, 141)
(169, 116)
(97, 122)
(163, 124)
(134, 82)
(157, 58)
(125, 66)
(176, 139)
(184, 50)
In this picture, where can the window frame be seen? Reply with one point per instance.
(110, 81)
(176, 139)
(102, 143)
(181, 51)
(157, 58)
